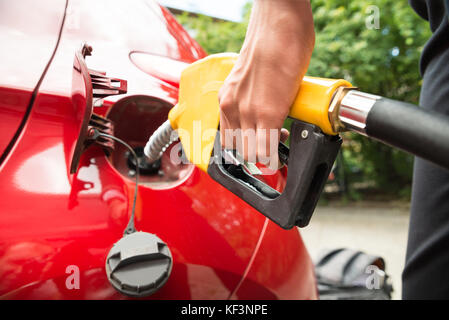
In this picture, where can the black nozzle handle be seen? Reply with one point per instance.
(310, 159)
(423, 133)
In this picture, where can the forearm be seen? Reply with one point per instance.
(280, 36)
(281, 21)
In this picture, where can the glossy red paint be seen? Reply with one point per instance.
(27, 39)
(13, 105)
(166, 69)
(51, 220)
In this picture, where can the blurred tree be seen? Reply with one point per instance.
(217, 36)
(383, 60)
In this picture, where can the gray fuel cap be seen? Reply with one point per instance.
(139, 264)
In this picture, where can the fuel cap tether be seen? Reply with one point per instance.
(139, 263)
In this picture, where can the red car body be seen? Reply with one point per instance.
(52, 221)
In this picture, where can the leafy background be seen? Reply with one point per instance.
(382, 61)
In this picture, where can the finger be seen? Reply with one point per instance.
(229, 133)
(284, 134)
(248, 147)
(267, 147)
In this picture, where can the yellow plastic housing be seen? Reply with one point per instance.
(196, 116)
(313, 100)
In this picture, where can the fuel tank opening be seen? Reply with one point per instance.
(135, 118)
(145, 167)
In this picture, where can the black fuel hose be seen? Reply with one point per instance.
(421, 132)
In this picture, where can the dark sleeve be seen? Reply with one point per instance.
(420, 7)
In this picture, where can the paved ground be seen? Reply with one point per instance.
(376, 228)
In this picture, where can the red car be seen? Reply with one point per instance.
(64, 203)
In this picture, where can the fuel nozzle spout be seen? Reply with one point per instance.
(159, 141)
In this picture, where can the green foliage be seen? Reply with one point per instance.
(381, 61)
(347, 48)
(217, 36)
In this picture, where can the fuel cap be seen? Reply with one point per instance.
(139, 264)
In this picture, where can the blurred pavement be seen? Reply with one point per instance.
(373, 227)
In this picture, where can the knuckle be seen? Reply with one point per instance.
(267, 113)
(270, 118)
(226, 104)
(246, 112)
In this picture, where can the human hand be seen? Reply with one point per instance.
(257, 95)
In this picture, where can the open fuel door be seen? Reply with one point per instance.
(88, 84)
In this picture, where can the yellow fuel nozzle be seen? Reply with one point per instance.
(315, 112)
(196, 116)
(322, 108)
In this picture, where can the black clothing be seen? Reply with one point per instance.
(436, 12)
(426, 273)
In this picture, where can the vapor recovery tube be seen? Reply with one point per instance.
(423, 133)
